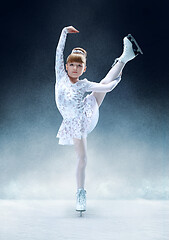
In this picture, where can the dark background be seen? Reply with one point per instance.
(29, 119)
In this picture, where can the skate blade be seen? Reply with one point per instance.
(136, 47)
(80, 210)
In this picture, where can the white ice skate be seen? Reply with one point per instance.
(130, 49)
(81, 201)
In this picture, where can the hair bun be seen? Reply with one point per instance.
(77, 55)
(79, 50)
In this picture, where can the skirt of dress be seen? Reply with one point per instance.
(92, 112)
(82, 125)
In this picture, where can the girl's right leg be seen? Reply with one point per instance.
(114, 72)
(81, 153)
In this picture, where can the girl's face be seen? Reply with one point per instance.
(75, 69)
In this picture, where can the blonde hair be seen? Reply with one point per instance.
(77, 55)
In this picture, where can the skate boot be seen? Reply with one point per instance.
(130, 50)
(81, 200)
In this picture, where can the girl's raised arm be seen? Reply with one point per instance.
(59, 61)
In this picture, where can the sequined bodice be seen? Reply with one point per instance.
(69, 97)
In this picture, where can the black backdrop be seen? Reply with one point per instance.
(29, 35)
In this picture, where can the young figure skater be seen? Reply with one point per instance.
(80, 115)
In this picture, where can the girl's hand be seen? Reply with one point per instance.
(71, 29)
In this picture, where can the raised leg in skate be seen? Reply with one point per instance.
(112, 75)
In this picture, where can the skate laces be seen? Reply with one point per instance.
(127, 46)
(81, 196)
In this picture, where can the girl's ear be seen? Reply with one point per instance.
(66, 66)
(85, 69)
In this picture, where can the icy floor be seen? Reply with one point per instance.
(58, 220)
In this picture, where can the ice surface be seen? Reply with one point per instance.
(104, 219)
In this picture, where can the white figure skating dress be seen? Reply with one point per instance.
(80, 114)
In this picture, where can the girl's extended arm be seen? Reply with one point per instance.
(100, 87)
(59, 61)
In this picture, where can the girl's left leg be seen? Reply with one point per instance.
(114, 72)
(130, 50)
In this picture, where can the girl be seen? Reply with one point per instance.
(80, 115)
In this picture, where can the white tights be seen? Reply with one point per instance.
(114, 72)
(81, 152)
(81, 144)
